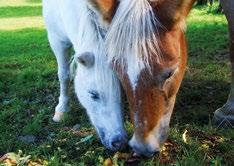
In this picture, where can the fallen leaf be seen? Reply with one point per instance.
(9, 162)
(13, 159)
(185, 136)
(122, 156)
(108, 162)
(168, 153)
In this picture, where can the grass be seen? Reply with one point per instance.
(29, 93)
(20, 11)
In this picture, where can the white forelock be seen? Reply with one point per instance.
(90, 38)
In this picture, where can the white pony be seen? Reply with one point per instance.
(74, 23)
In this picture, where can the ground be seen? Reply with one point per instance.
(29, 92)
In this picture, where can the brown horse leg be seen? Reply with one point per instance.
(224, 116)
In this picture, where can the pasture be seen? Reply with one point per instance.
(29, 90)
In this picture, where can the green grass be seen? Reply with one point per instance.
(20, 11)
(29, 92)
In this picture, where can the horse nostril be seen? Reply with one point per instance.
(118, 143)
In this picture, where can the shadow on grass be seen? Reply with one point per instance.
(207, 88)
(198, 99)
(20, 11)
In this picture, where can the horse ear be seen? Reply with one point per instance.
(186, 6)
(171, 13)
(87, 59)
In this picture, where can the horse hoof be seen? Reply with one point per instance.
(224, 117)
(58, 116)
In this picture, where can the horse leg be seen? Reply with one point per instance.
(61, 51)
(224, 116)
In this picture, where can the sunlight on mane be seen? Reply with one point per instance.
(133, 32)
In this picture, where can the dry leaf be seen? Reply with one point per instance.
(108, 162)
(185, 136)
(122, 156)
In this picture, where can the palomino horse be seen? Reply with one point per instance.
(74, 23)
(147, 48)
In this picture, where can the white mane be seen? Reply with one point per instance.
(90, 38)
(133, 32)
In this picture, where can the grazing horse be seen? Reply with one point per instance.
(146, 46)
(74, 23)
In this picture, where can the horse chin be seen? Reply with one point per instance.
(151, 142)
(143, 149)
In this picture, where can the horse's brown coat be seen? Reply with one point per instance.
(150, 101)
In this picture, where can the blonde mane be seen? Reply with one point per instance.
(133, 32)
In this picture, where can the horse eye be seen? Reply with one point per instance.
(168, 75)
(94, 95)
